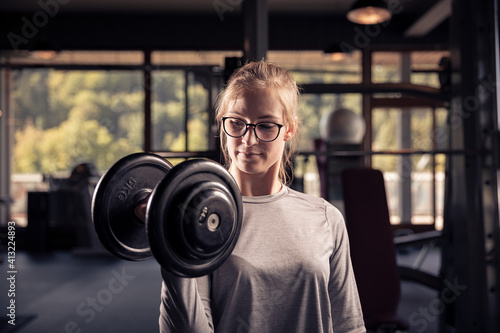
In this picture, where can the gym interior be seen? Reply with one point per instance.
(411, 93)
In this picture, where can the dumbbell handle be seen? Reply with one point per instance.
(140, 204)
(140, 211)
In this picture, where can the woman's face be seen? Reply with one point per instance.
(248, 154)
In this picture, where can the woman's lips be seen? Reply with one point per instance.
(248, 154)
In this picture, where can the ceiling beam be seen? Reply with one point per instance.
(198, 32)
(255, 44)
(431, 19)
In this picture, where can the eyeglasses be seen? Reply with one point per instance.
(264, 131)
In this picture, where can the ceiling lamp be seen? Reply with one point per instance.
(335, 52)
(369, 12)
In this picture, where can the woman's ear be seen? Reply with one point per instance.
(291, 128)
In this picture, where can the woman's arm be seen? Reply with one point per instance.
(185, 304)
(185, 307)
(347, 315)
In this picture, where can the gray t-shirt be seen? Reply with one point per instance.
(289, 272)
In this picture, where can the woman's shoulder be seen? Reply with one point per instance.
(307, 197)
(312, 204)
(311, 199)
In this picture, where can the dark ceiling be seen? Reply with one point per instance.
(213, 25)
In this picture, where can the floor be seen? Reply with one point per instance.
(67, 293)
(416, 298)
(64, 292)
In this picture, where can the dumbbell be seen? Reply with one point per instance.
(193, 213)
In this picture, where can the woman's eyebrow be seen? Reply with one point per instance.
(235, 113)
(269, 117)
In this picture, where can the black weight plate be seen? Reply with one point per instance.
(194, 218)
(120, 189)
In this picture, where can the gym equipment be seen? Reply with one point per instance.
(203, 202)
(342, 126)
(124, 186)
(193, 214)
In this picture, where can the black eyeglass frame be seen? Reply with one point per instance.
(280, 126)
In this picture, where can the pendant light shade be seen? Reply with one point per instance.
(335, 52)
(369, 12)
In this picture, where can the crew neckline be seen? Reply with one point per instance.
(266, 198)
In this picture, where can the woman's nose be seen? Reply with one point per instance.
(250, 138)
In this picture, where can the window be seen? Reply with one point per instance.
(414, 181)
(181, 108)
(318, 67)
(62, 118)
(73, 107)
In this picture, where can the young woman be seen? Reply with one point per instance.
(290, 270)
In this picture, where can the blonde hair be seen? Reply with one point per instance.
(262, 75)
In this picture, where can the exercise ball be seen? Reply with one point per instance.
(342, 126)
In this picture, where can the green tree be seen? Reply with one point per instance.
(29, 97)
(77, 139)
(26, 154)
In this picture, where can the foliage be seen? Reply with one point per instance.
(61, 148)
(67, 117)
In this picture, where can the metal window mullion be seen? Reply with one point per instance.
(406, 162)
(433, 160)
(147, 101)
(6, 141)
(366, 67)
(186, 111)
